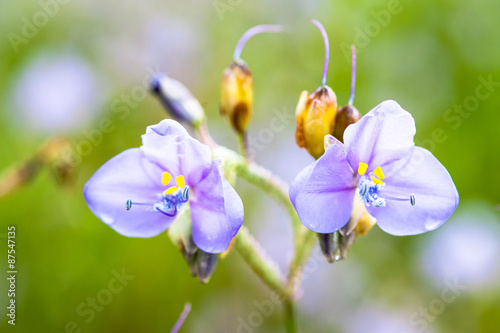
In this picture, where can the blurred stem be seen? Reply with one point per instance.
(205, 135)
(182, 318)
(304, 245)
(18, 176)
(289, 316)
(265, 268)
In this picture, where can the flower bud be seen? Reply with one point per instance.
(177, 100)
(236, 95)
(315, 117)
(346, 116)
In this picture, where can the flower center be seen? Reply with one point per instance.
(172, 199)
(371, 187)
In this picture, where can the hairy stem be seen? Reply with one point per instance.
(265, 268)
(270, 184)
(304, 245)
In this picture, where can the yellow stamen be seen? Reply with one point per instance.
(378, 172)
(171, 190)
(362, 168)
(166, 178)
(377, 181)
(180, 181)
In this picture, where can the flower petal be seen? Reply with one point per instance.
(216, 212)
(129, 175)
(436, 196)
(383, 137)
(169, 145)
(323, 192)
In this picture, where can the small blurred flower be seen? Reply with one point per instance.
(403, 186)
(376, 318)
(57, 94)
(467, 249)
(135, 192)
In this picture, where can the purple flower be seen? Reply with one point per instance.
(140, 191)
(403, 186)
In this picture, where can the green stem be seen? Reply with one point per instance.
(304, 245)
(277, 189)
(265, 268)
(289, 316)
(264, 179)
(244, 149)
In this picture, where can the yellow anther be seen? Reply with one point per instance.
(166, 178)
(378, 172)
(377, 181)
(362, 168)
(171, 190)
(180, 181)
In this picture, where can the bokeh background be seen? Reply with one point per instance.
(65, 67)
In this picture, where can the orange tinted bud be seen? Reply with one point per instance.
(315, 117)
(346, 116)
(237, 95)
(366, 222)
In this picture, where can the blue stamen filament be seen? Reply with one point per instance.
(172, 199)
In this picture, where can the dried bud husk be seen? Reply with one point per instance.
(236, 95)
(177, 100)
(346, 116)
(200, 263)
(329, 245)
(335, 245)
(315, 117)
(207, 262)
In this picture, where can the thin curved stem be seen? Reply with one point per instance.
(205, 136)
(182, 318)
(327, 48)
(258, 29)
(353, 74)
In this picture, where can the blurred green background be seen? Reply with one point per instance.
(67, 66)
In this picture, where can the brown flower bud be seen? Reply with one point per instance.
(236, 98)
(346, 116)
(315, 117)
